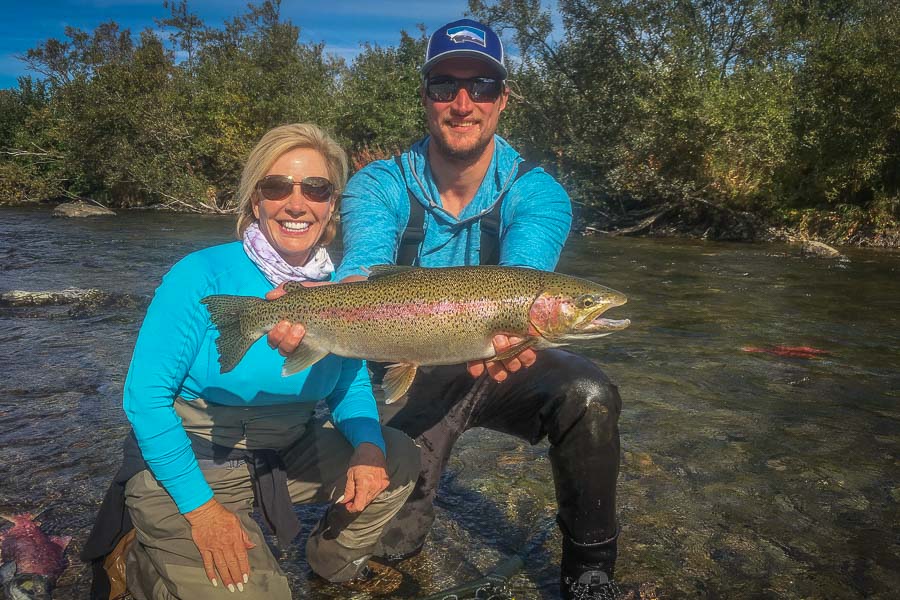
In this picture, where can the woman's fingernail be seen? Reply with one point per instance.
(240, 586)
(246, 578)
(231, 588)
(215, 583)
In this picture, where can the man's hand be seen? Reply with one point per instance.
(500, 370)
(223, 544)
(366, 477)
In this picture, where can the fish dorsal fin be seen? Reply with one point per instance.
(377, 271)
(397, 380)
(61, 541)
(302, 358)
(293, 286)
(22, 518)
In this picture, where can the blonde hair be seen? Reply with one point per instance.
(273, 144)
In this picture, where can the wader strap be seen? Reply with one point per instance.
(408, 253)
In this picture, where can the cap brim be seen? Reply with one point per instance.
(491, 62)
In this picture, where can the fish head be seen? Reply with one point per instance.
(570, 309)
(27, 586)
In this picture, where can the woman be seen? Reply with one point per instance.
(210, 440)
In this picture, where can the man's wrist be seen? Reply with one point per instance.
(368, 449)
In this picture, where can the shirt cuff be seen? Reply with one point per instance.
(189, 491)
(358, 430)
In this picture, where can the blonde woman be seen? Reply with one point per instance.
(214, 443)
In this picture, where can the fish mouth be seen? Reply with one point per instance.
(28, 586)
(605, 326)
(595, 325)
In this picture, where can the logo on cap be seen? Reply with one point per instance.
(460, 35)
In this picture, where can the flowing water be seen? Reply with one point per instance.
(745, 474)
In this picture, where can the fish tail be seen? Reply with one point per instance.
(227, 314)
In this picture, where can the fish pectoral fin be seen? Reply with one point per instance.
(301, 359)
(397, 380)
(517, 349)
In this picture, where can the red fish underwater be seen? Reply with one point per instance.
(788, 351)
(30, 560)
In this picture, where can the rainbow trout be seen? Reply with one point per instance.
(414, 316)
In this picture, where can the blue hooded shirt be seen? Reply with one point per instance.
(535, 217)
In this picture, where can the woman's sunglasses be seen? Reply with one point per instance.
(443, 88)
(276, 187)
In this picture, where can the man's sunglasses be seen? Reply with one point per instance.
(481, 89)
(276, 187)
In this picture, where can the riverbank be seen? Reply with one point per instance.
(700, 219)
(696, 219)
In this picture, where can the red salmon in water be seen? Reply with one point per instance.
(788, 351)
(30, 560)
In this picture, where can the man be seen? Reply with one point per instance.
(428, 207)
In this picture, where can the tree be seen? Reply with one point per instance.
(379, 107)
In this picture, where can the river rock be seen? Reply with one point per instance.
(54, 297)
(819, 249)
(79, 297)
(81, 209)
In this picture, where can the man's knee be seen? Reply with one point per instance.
(590, 404)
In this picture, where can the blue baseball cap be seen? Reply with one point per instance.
(465, 38)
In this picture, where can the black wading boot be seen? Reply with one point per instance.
(587, 573)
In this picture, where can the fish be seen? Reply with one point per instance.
(30, 560)
(788, 351)
(459, 35)
(415, 316)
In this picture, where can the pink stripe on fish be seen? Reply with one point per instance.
(410, 310)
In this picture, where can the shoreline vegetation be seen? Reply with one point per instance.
(745, 120)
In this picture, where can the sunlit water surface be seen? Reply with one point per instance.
(744, 475)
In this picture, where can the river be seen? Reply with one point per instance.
(745, 474)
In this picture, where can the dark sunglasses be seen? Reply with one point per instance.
(276, 187)
(443, 88)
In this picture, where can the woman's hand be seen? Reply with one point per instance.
(222, 542)
(499, 370)
(286, 336)
(366, 477)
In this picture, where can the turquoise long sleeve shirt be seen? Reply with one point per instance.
(176, 355)
(535, 217)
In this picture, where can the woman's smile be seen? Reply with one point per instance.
(294, 224)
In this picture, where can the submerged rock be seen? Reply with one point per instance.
(81, 209)
(54, 297)
(78, 299)
(819, 249)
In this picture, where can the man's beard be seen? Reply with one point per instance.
(461, 155)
